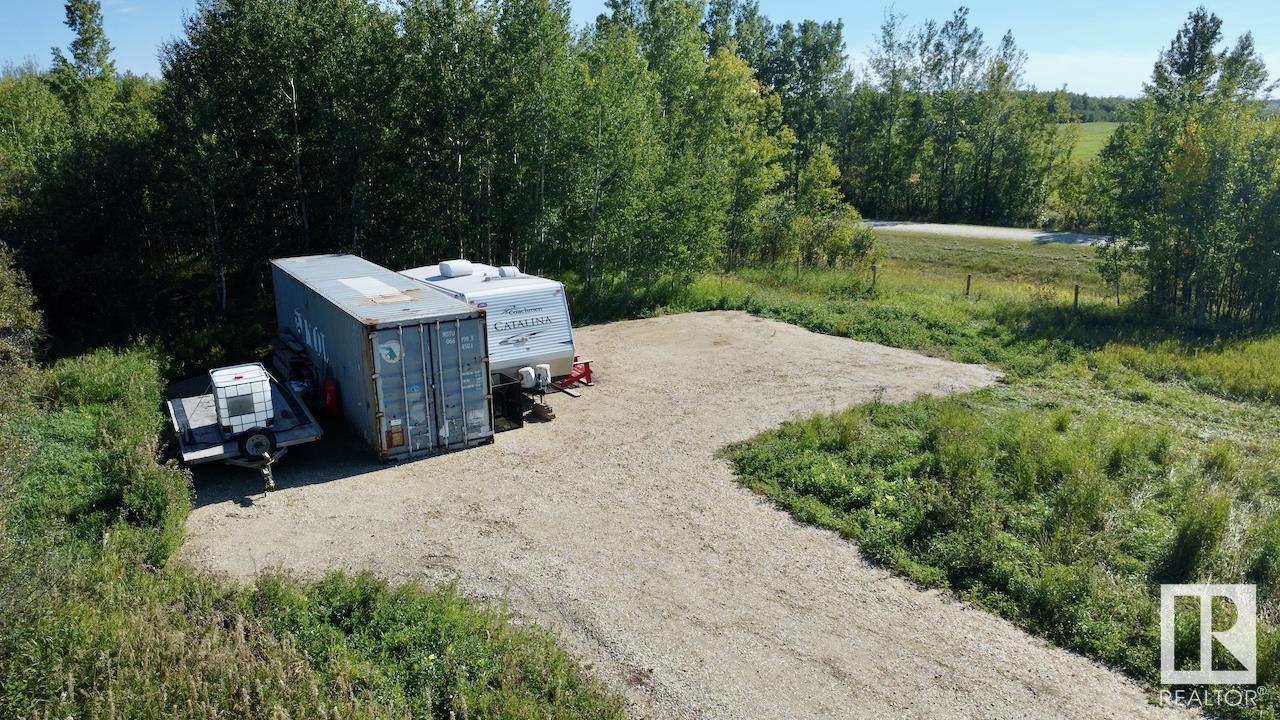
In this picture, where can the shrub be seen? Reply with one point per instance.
(94, 463)
(1264, 553)
(1200, 527)
(20, 331)
(104, 378)
(1219, 462)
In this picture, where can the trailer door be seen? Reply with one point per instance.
(433, 386)
(465, 415)
(405, 392)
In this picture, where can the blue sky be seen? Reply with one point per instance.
(1102, 48)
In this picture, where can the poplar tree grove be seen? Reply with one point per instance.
(664, 139)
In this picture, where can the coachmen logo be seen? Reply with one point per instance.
(520, 311)
(518, 339)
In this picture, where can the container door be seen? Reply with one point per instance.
(462, 382)
(404, 390)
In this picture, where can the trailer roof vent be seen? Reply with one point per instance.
(456, 268)
(508, 271)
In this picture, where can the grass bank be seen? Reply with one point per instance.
(1062, 519)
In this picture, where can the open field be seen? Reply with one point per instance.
(908, 248)
(831, 467)
(1114, 454)
(618, 526)
(1093, 136)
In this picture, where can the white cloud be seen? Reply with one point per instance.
(120, 7)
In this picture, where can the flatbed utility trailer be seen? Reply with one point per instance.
(247, 440)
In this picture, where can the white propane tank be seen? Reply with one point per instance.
(528, 378)
(456, 268)
(542, 374)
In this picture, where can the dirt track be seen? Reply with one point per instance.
(617, 527)
(987, 231)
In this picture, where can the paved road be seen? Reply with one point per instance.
(987, 231)
(618, 527)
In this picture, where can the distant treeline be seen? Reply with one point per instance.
(1086, 108)
(667, 138)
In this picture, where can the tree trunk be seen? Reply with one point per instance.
(292, 97)
(219, 259)
(595, 203)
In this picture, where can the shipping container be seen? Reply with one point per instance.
(527, 316)
(409, 362)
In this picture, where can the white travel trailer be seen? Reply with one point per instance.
(528, 316)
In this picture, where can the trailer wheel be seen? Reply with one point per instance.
(256, 442)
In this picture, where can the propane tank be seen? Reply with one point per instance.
(542, 375)
(331, 397)
(528, 378)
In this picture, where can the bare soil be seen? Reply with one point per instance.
(617, 527)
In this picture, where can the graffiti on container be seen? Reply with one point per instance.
(310, 335)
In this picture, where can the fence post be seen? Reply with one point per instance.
(874, 273)
(968, 284)
(1075, 304)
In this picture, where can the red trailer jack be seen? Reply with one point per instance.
(581, 372)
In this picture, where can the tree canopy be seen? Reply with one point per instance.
(667, 138)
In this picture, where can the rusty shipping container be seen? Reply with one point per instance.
(410, 362)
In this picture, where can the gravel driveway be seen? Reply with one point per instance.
(986, 231)
(617, 527)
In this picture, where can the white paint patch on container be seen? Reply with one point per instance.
(375, 290)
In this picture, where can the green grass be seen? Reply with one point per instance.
(98, 620)
(1237, 368)
(1091, 139)
(1061, 518)
(1061, 265)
